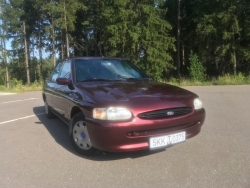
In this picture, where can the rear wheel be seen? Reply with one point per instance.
(79, 136)
(48, 112)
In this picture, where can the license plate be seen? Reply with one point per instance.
(163, 141)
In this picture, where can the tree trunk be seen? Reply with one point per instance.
(7, 76)
(183, 55)
(7, 80)
(4, 54)
(26, 53)
(40, 52)
(53, 44)
(67, 43)
(7, 84)
(66, 31)
(62, 45)
(234, 58)
(178, 40)
(235, 63)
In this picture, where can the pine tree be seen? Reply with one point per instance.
(3, 38)
(18, 30)
(62, 17)
(136, 30)
(223, 27)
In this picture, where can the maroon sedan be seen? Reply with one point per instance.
(111, 105)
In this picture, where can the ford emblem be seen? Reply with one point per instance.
(170, 113)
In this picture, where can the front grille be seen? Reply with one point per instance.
(167, 130)
(165, 113)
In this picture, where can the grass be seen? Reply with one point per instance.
(17, 86)
(222, 80)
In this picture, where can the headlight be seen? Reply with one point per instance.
(197, 104)
(112, 113)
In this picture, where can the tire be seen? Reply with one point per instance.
(79, 136)
(47, 109)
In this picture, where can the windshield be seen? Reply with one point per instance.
(107, 69)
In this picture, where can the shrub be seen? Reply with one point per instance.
(2, 82)
(15, 83)
(196, 70)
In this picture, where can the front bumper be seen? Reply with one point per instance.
(134, 135)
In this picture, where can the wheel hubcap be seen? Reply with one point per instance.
(81, 136)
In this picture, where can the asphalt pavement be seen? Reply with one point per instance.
(36, 152)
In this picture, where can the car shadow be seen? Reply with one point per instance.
(59, 131)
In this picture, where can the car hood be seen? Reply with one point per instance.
(140, 94)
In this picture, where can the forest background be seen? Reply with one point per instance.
(175, 41)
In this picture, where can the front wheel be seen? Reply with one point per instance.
(79, 136)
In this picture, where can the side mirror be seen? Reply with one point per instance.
(63, 81)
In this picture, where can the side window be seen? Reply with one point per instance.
(66, 70)
(56, 72)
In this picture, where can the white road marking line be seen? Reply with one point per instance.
(2, 93)
(4, 122)
(19, 100)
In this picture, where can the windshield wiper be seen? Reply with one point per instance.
(135, 79)
(95, 79)
(111, 80)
